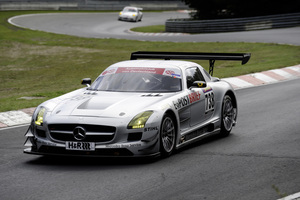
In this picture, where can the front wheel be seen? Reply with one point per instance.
(228, 116)
(167, 135)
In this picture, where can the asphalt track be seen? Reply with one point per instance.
(106, 25)
(259, 160)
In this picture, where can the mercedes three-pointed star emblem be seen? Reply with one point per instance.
(79, 133)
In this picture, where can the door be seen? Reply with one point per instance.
(196, 96)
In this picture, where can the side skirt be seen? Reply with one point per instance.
(197, 134)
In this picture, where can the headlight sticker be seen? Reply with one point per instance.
(140, 120)
(39, 120)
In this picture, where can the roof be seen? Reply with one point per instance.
(156, 64)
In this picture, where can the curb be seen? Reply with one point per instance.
(23, 116)
(16, 117)
(263, 78)
(156, 34)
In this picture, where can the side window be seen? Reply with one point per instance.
(207, 74)
(193, 74)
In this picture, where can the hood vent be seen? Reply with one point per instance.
(152, 95)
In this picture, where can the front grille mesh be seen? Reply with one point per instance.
(94, 133)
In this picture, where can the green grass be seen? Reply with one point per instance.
(39, 64)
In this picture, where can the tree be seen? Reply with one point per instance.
(216, 9)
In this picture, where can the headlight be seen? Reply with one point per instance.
(133, 15)
(120, 13)
(140, 120)
(40, 117)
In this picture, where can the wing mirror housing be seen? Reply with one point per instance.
(199, 84)
(86, 81)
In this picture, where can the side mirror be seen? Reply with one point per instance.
(86, 81)
(199, 84)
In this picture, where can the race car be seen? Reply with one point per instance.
(150, 105)
(131, 14)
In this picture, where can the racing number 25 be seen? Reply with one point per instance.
(209, 102)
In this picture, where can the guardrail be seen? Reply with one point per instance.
(236, 24)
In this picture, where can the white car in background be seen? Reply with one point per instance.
(131, 14)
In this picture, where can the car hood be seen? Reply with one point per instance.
(106, 104)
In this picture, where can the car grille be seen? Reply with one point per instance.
(94, 133)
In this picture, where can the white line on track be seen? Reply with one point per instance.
(295, 196)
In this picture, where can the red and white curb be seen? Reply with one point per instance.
(23, 117)
(155, 34)
(158, 34)
(266, 77)
(16, 117)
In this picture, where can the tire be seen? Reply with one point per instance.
(167, 136)
(228, 116)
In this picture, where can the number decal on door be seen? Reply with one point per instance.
(209, 102)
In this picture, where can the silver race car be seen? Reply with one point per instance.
(148, 106)
(131, 14)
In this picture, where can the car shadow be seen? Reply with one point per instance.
(89, 161)
(205, 141)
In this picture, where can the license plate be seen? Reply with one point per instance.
(80, 146)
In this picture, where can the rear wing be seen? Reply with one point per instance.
(212, 57)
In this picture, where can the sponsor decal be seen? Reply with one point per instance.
(186, 100)
(175, 73)
(181, 102)
(169, 72)
(207, 89)
(108, 72)
(81, 146)
(148, 70)
(151, 129)
(194, 96)
(122, 145)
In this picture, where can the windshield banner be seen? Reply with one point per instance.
(162, 71)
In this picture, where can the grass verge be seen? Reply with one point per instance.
(45, 65)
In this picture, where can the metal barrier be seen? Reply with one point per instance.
(236, 24)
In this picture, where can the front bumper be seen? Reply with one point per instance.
(130, 149)
(127, 18)
(98, 153)
(124, 142)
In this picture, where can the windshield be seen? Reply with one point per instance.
(129, 10)
(154, 80)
